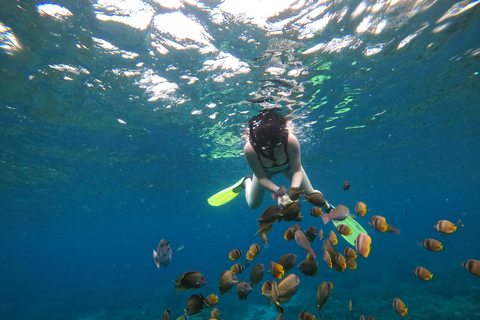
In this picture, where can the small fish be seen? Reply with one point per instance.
(190, 280)
(311, 233)
(315, 199)
(290, 232)
(194, 305)
(270, 214)
(235, 254)
(362, 244)
(341, 262)
(288, 261)
(361, 208)
(328, 259)
(279, 317)
(211, 300)
(308, 268)
(163, 255)
(344, 230)
(215, 314)
(350, 306)
(253, 251)
(180, 248)
(294, 193)
(303, 315)
(333, 237)
(432, 245)
(472, 266)
(237, 268)
(399, 307)
(370, 318)
(302, 241)
(352, 264)
(340, 213)
(279, 193)
(346, 185)
(349, 253)
(445, 226)
(320, 234)
(380, 224)
(362, 317)
(316, 212)
(288, 287)
(264, 227)
(264, 238)
(247, 263)
(276, 270)
(291, 212)
(324, 291)
(166, 315)
(243, 290)
(423, 273)
(257, 274)
(227, 280)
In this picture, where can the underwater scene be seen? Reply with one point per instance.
(123, 123)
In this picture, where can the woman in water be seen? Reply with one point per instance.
(271, 149)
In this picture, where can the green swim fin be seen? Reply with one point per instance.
(228, 194)
(354, 226)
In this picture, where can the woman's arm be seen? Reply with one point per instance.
(257, 168)
(293, 150)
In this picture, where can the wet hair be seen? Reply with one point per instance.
(268, 128)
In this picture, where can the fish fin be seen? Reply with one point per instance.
(228, 194)
(354, 226)
(279, 308)
(155, 259)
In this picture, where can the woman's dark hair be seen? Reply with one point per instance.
(268, 128)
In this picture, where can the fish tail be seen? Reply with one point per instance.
(325, 218)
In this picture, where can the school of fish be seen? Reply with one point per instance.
(283, 286)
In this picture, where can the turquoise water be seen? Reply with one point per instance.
(118, 119)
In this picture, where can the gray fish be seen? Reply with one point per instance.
(243, 289)
(291, 212)
(194, 305)
(257, 274)
(315, 198)
(227, 280)
(166, 315)
(323, 293)
(270, 214)
(308, 268)
(163, 255)
(288, 261)
(311, 233)
(190, 280)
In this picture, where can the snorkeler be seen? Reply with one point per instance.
(271, 149)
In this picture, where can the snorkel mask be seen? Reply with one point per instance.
(267, 132)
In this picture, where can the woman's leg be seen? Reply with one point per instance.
(254, 192)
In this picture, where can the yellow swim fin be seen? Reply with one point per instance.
(354, 226)
(228, 194)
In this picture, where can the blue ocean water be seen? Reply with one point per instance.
(118, 119)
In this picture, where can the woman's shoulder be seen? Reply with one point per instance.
(292, 140)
